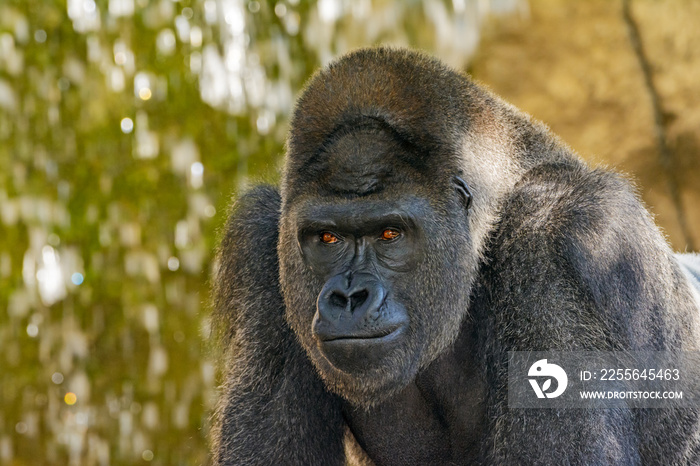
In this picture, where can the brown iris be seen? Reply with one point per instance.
(328, 237)
(389, 234)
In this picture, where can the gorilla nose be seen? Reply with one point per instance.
(347, 307)
(340, 300)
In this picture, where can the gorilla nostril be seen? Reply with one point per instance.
(338, 300)
(358, 298)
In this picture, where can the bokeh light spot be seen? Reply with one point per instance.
(40, 36)
(197, 169)
(32, 330)
(145, 93)
(77, 278)
(127, 125)
(70, 398)
(173, 263)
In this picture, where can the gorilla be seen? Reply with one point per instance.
(423, 229)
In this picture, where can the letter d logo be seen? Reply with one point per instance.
(542, 369)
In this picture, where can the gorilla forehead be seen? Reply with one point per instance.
(360, 163)
(363, 156)
(394, 87)
(384, 90)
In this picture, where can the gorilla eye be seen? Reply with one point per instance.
(328, 237)
(389, 234)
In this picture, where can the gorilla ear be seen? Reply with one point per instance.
(464, 191)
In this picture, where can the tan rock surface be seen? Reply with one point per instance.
(572, 64)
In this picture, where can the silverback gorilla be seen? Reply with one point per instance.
(423, 229)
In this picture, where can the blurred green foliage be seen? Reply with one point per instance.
(125, 128)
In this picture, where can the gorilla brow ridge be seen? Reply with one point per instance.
(355, 124)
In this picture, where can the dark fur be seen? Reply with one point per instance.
(552, 255)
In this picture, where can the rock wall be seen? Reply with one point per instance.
(619, 81)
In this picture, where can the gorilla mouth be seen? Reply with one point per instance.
(385, 335)
(355, 353)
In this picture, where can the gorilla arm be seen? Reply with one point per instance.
(577, 264)
(275, 410)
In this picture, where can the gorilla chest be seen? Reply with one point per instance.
(435, 420)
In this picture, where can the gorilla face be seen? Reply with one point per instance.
(364, 261)
(372, 266)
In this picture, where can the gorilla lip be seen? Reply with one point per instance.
(356, 354)
(383, 336)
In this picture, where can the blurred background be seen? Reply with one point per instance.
(128, 126)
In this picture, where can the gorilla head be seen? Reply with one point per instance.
(367, 214)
